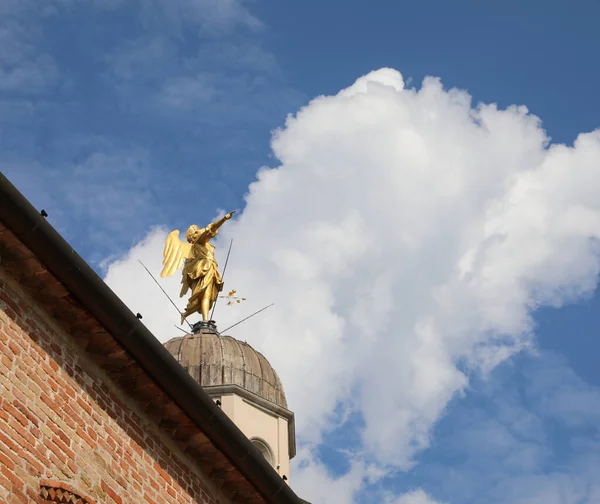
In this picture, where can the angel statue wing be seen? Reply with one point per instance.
(174, 254)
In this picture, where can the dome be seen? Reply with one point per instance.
(214, 360)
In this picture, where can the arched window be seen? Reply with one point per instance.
(52, 491)
(264, 449)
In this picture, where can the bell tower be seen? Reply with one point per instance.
(246, 387)
(238, 378)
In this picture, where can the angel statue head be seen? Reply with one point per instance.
(193, 233)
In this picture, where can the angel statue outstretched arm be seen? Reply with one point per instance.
(200, 269)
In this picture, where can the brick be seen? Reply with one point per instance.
(63, 447)
(92, 433)
(86, 439)
(31, 418)
(57, 431)
(15, 414)
(8, 463)
(6, 362)
(34, 462)
(17, 394)
(111, 493)
(149, 500)
(12, 477)
(6, 441)
(60, 417)
(23, 436)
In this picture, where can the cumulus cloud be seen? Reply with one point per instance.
(178, 16)
(503, 444)
(25, 70)
(406, 237)
(318, 485)
(414, 497)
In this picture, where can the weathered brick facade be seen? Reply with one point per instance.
(68, 433)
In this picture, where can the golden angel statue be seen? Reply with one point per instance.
(200, 269)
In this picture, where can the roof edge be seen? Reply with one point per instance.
(29, 226)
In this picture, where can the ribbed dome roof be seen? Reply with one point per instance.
(222, 360)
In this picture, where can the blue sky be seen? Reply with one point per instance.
(117, 116)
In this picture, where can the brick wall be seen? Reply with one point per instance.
(66, 430)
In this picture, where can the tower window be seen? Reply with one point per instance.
(264, 449)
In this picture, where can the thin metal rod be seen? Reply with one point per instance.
(222, 278)
(182, 330)
(249, 316)
(164, 292)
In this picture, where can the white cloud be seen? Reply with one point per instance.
(318, 485)
(554, 488)
(126, 276)
(196, 60)
(562, 395)
(214, 16)
(183, 91)
(519, 438)
(415, 497)
(405, 237)
(24, 69)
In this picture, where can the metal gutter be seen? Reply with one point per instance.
(98, 299)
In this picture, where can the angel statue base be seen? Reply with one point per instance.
(209, 327)
(200, 269)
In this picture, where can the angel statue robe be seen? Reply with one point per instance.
(200, 275)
